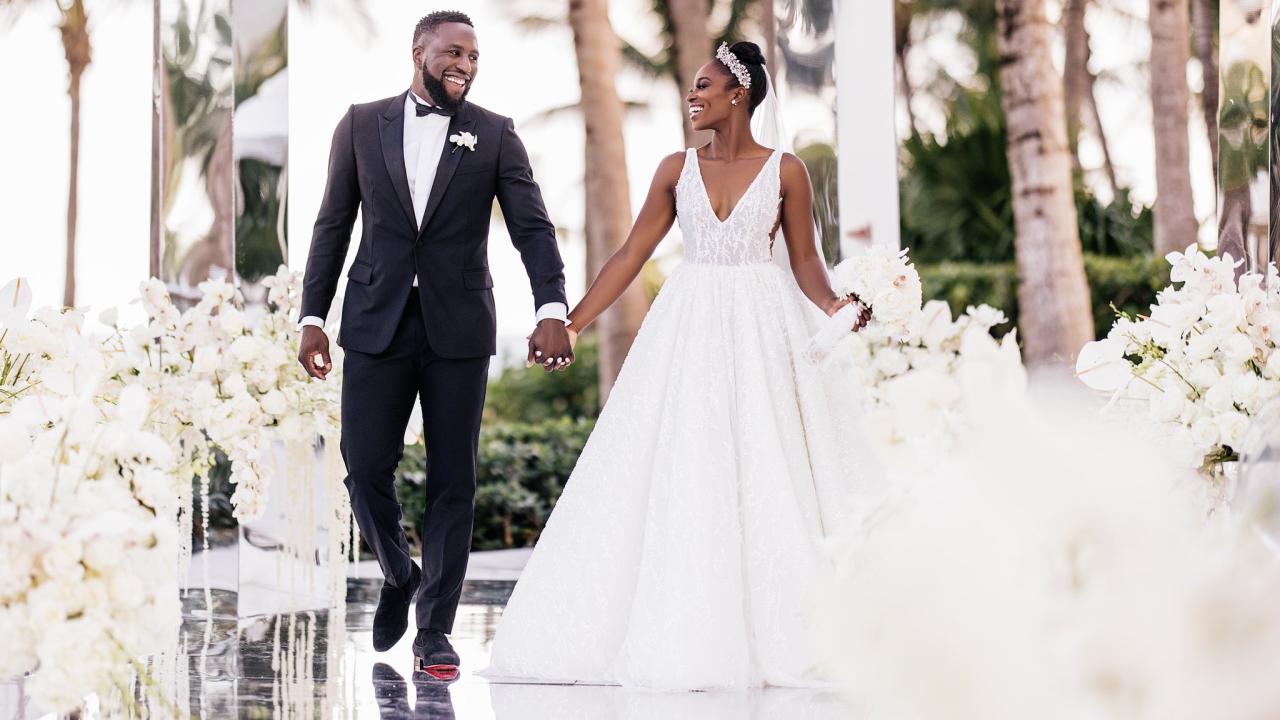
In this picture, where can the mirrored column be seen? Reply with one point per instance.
(260, 137)
(220, 142)
(1246, 198)
(193, 237)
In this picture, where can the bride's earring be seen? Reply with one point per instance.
(733, 102)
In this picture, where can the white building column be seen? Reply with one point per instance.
(866, 140)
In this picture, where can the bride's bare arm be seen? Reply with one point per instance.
(651, 225)
(807, 265)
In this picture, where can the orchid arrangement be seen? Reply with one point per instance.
(1202, 363)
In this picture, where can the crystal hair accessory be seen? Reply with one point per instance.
(731, 61)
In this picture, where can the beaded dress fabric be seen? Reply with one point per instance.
(685, 550)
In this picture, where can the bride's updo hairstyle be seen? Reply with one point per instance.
(748, 53)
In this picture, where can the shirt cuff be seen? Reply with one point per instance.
(552, 310)
(311, 320)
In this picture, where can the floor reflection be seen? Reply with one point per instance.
(318, 664)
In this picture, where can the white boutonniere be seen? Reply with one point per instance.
(465, 139)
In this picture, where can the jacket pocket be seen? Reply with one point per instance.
(476, 279)
(360, 273)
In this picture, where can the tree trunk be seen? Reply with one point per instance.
(690, 48)
(1053, 296)
(608, 216)
(1204, 19)
(1175, 220)
(1075, 69)
(1092, 100)
(902, 17)
(75, 44)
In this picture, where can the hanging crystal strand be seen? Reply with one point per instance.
(308, 665)
(275, 668)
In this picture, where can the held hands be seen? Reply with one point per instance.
(551, 345)
(313, 352)
(864, 314)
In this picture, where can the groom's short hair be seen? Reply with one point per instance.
(429, 23)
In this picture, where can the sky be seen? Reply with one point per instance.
(337, 59)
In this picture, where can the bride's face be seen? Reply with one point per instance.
(710, 100)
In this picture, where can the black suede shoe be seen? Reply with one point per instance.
(435, 656)
(392, 616)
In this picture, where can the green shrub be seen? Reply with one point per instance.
(1130, 283)
(522, 469)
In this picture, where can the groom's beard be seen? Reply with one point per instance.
(439, 93)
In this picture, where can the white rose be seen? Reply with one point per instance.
(62, 560)
(1232, 427)
(15, 571)
(890, 361)
(233, 386)
(126, 591)
(1167, 406)
(231, 320)
(274, 403)
(1237, 348)
(1245, 389)
(1204, 433)
(245, 348)
(207, 360)
(1204, 375)
(1218, 398)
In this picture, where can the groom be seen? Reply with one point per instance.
(418, 322)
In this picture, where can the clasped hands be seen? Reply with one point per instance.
(551, 346)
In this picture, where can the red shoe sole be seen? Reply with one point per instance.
(439, 672)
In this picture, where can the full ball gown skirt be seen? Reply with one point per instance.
(687, 546)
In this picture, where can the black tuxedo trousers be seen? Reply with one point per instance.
(378, 393)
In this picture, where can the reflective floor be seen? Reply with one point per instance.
(317, 664)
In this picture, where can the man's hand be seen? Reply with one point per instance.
(314, 343)
(550, 346)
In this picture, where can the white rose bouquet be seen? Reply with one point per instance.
(883, 281)
(1203, 362)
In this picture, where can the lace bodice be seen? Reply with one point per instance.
(741, 239)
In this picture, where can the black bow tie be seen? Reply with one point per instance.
(423, 110)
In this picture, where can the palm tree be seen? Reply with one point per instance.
(688, 43)
(74, 28)
(1204, 29)
(608, 215)
(1078, 83)
(1175, 218)
(1053, 295)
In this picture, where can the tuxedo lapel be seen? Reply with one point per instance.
(391, 133)
(450, 156)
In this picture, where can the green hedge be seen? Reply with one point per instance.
(521, 471)
(1128, 283)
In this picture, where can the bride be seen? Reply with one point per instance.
(686, 547)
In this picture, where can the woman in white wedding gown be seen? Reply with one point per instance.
(687, 546)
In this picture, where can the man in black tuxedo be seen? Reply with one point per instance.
(418, 321)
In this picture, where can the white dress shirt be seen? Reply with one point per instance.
(424, 139)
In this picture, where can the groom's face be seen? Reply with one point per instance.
(449, 61)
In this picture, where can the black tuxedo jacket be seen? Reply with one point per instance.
(449, 252)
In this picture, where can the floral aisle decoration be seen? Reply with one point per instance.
(1052, 567)
(1202, 363)
(88, 584)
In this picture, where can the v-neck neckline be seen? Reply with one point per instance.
(706, 194)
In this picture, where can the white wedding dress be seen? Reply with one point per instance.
(686, 549)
